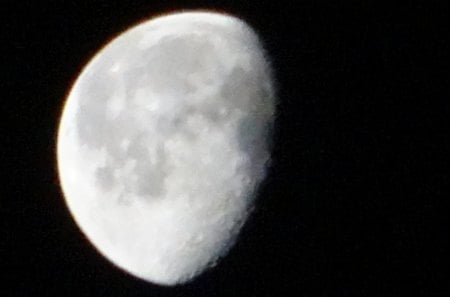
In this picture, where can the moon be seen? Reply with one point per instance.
(164, 141)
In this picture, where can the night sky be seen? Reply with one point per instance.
(356, 202)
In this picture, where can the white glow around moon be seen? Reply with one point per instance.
(164, 140)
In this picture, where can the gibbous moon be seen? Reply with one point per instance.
(164, 140)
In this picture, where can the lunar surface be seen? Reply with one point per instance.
(164, 140)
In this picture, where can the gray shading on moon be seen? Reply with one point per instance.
(164, 140)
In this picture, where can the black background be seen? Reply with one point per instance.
(356, 201)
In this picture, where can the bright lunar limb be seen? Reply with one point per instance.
(164, 140)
